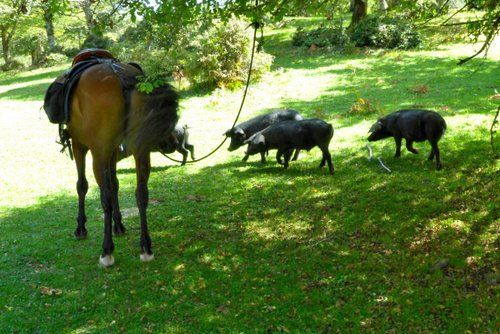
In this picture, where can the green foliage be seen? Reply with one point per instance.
(52, 59)
(13, 65)
(364, 106)
(214, 56)
(221, 56)
(148, 84)
(321, 37)
(97, 41)
(385, 32)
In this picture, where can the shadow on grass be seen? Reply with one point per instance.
(247, 247)
(28, 93)
(14, 78)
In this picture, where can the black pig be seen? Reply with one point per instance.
(245, 130)
(412, 125)
(176, 141)
(293, 135)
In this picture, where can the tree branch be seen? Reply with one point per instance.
(439, 12)
(453, 15)
(486, 45)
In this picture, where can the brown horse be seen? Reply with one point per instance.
(105, 111)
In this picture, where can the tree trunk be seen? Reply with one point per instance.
(49, 29)
(359, 12)
(36, 50)
(89, 16)
(5, 47)
(382, 5)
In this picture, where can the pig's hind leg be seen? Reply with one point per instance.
(435, 152)
(279, 154)
(327, 157)
(288, 155)
(409, 146)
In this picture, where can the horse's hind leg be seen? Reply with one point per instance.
(82, 187)
(102, 173)
(118, 228)
(143, 168)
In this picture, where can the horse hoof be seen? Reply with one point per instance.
(80, 233)
(145, 257)
(106, 261)
(119, 229)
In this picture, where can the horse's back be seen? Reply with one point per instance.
(98, 108)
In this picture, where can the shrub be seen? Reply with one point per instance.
(221, 54)
(385, 32)
(96, 41)
(54, 58)
(12, 65)
(71, 52)
(364, 106)
(208, 56)
(321, 37)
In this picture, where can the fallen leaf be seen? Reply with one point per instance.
(45, 290)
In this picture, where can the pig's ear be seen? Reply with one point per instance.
(376, 127)
(229, 132)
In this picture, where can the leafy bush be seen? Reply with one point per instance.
(221, 54)
(321, 37)
(363, 106)
(12, 65)
(385, 32)
(96, 41)
(71, 52)
(215, 55)
(54, 58)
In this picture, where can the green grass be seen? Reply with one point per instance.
(241, 247)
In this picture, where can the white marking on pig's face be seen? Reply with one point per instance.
(376, 127)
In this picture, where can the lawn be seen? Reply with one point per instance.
(245, 247)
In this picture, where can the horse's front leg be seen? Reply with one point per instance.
(82, 186)
(102, 173)
(143, 168)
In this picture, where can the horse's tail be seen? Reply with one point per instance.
(160, 118)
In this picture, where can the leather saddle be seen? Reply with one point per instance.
(58, 95)
(91, 53)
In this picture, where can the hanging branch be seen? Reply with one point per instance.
(487, 43)
(453, 15)
(438, 13)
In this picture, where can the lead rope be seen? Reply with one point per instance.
(256, 26)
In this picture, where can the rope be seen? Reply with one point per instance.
(256, 26)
